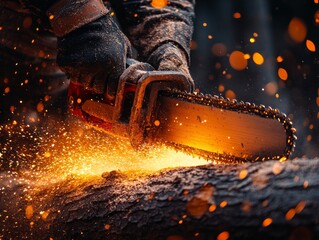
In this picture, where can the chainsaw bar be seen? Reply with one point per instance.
(222, 130)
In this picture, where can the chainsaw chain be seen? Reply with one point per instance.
(237, 106)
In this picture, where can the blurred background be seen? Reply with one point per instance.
(264, 52)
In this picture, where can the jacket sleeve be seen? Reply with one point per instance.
(148, 24)
(67, 15)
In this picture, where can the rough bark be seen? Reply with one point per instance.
(172, 204)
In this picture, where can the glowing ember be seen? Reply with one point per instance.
(230, 94)
(290, 214)
(277, 168)
(258, 58)
(223, 236)
(267, 222)
(297, 30)
(300, 206)
(311, 46)
(212, 208)
(243, 174)
(280, 59)
(223, 204)
(237, 15)
(237, 60)
(159, 3)
(282, 73)
(29, 212)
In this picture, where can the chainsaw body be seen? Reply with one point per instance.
(133, 112)
(153, 106)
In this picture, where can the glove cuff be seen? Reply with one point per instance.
(68, 15)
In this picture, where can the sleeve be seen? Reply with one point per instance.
(67, 15)
(151, 23)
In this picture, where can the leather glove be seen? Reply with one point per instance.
(169, 57)
(95, 55)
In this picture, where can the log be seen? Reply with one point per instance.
(262, 200)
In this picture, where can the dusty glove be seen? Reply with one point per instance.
(169, 57)
(95, 55)
(162, 35)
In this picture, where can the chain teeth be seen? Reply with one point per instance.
(243, 107)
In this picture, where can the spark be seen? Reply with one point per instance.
(237, 15)
(212, 208)
(85, 153)
(297, 30)
(237, 60)
(243, 174)
(223, 204)
(310, 45)
(258, 58)
(282, 73)
(223, 236)
(267, 222)
(159, 3)
(280, 59)
(290, 214)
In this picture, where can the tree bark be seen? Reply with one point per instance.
(262, 200)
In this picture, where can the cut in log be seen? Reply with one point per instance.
(263, 200)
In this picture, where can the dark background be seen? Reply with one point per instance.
(298, 95)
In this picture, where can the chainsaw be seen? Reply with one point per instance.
(155, 107)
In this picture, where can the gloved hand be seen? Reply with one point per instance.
(95, 55)
(161, 35)
(169, 57)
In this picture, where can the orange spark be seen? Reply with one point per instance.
(290, 214)
(282, 74)
(29, 211)
(300, 206)
(237, 60)
(212, 208)
(280, 59)
(237, 15)
(310, 45)
(159, 3)
(230, 94)
(223, 204)
(223, 236)
(277, 168)
(297, 30)
(258, 58)
(267, 222)
(243, 174)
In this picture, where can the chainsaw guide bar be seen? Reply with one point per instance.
(224, 130)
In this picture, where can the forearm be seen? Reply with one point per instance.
(149, 27)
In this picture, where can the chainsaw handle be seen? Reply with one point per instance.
(143, 74)
(140, 118)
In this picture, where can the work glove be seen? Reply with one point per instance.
(169, 57)
(95, 55)
(160, 34)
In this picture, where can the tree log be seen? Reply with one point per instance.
(262, 200)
